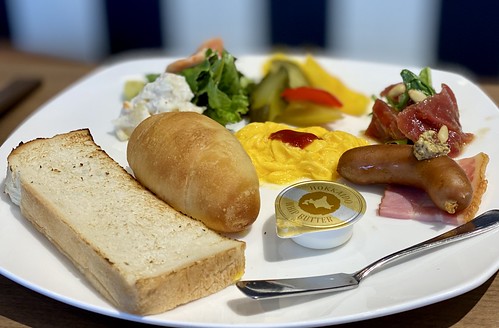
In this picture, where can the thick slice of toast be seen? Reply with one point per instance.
(138, 252)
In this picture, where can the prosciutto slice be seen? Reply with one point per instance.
(402, 202)
(431, 114)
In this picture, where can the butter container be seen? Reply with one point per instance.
(318, 214)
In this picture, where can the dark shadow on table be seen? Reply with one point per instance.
(29, 308)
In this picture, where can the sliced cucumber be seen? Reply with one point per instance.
(265, 101)
(296, 76)
(132, 88)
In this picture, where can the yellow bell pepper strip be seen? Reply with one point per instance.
(304, 113)
(354, 103)
(314, 95)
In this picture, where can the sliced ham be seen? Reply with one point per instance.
(431, 114)
(401, 202)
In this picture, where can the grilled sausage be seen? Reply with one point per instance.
(441, 178)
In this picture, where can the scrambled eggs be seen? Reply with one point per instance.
(278, 162)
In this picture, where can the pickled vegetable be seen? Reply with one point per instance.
(308, 114)
(132, 88)
(354, 103)
(310, 94)
(296, 77)
(285, 95)
(265, 100)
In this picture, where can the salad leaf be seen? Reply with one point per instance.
(421, 82)
(220, 87)
(152, 77)
(399, 102)
(425, 76)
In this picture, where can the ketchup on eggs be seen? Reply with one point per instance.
(282, 154)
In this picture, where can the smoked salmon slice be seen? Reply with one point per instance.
(216, 44)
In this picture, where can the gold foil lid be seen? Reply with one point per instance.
(314, 206)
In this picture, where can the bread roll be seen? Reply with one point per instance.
(198, 167)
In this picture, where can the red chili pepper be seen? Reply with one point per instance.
(317, 96)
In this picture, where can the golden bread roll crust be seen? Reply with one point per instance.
(197, 166)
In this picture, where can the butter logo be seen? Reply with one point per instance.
(319, 203)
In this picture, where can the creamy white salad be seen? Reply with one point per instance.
(168, 93)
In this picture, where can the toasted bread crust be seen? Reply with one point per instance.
(138, 252)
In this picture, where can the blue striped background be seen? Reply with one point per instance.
(465, 33)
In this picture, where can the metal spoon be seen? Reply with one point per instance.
(260, 289)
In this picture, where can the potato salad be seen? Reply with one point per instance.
(168, 93)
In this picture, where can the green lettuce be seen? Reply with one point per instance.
(421, 82)
(220, 87)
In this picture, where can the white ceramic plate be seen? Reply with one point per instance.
(27, 258)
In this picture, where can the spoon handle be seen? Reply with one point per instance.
(259, 289)
(482, 223)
